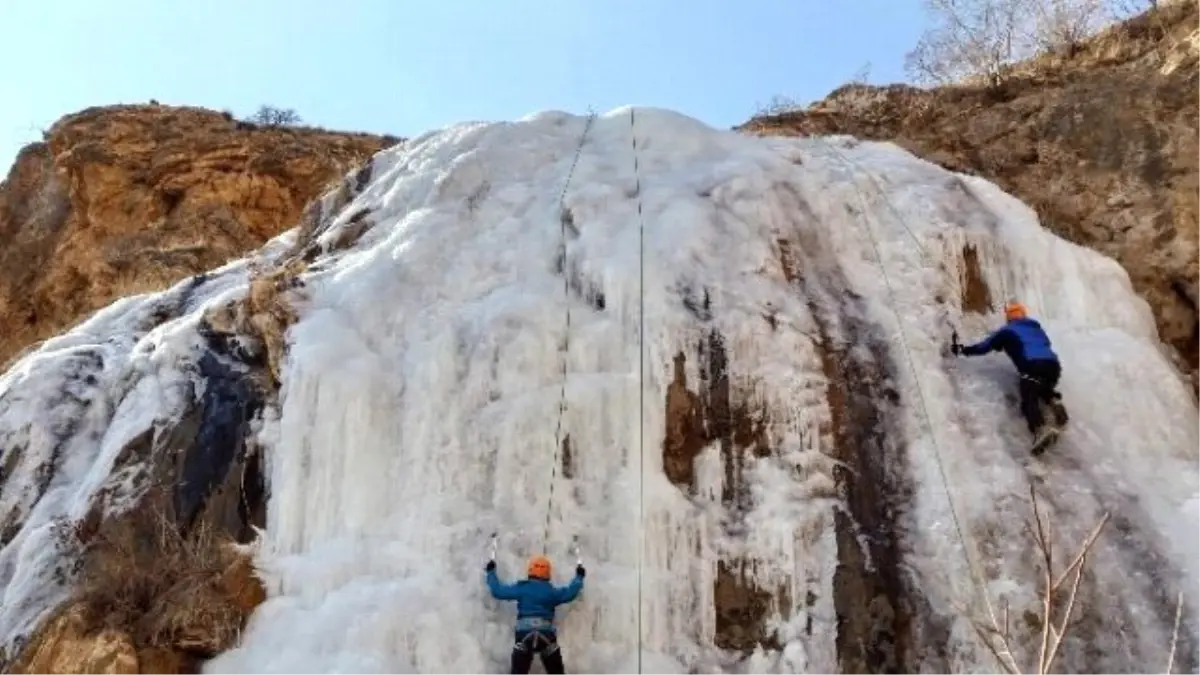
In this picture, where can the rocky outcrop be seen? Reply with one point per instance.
(199, 610)
(166, 584)
(1102, 143)
(126, 199)
(130, 199)
(67, 645)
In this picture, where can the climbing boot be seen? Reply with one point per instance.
(1045, 437)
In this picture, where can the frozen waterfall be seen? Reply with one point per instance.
(764, 484)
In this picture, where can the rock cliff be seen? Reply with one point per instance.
(127, 199)
(123, 200)
(1103, 144)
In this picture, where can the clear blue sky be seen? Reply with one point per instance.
(407, 66)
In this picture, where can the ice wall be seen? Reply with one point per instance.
(422, 395)
(768, 447)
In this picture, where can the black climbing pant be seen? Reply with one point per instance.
(1039, 380)
(543, 644)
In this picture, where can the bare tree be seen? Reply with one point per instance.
(982, 38)
(271, 116)
(970, 38)
(862, 75)
(1060, 25)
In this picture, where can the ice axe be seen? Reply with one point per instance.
(954, 344)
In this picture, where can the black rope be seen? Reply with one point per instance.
(565, 345)
(641, 376)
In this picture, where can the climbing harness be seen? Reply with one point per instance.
(536, 641)
(564, 348)
(641, 375)
(972, 563)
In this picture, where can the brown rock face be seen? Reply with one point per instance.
(66, 645)
(1102, 144)
(129, 199)
(126, 199)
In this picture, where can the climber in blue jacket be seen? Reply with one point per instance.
(536, 599)
(1028, 346)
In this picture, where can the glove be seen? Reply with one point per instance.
(956, 349)
(579, 571)
(491, 565)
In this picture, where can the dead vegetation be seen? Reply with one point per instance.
(176, 597)
(266, 312)
(1058, 600)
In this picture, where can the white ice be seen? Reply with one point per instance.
(421, 394)
(67, 409)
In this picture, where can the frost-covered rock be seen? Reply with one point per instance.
(764, 451)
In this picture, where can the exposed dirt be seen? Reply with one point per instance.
(976, 297)
(742, 607)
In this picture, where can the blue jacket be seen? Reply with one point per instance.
(1023, 340)
(536, 599)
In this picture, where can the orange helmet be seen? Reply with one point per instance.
(1014, 310)
(539, 567)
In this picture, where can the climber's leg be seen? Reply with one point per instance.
(1051, 395)
(1038, 382)
(522, 654)
(1047, 374)
(552, 659)
(1057, 411)
(1031, 409)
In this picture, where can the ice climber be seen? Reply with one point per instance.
(1028, 346)
(536, 599)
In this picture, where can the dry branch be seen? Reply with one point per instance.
(998, 639)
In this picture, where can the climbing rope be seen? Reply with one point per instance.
(972, 563)
(637, 188)
(849, 162)
(856, 166)
(565, 345)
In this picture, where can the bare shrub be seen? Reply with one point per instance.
(1057, 601)
(1061, 25)
(266, 312)
(270, 116)
(778, 105)
(982, 39)
(162, 588)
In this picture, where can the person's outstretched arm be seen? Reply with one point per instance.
(499, 589)
(571, 591)
(991, 343)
